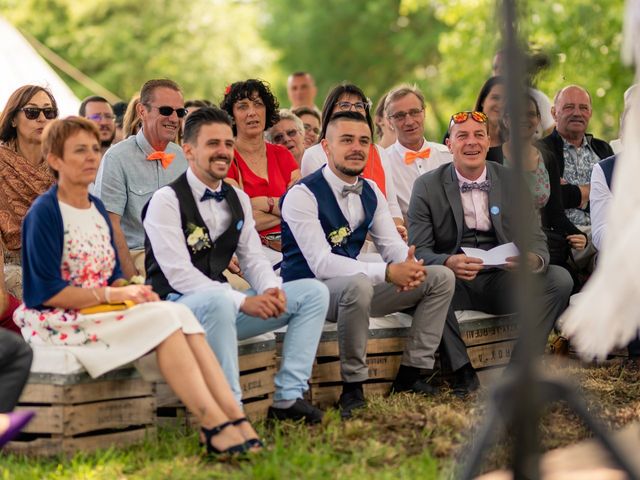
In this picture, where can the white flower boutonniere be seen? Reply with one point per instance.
(339, 236)
(197, 238)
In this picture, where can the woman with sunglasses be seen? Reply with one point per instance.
(263, 170)
(543, 178)
(76, 297)
(288, 132)
(23, 172)
(349, 97)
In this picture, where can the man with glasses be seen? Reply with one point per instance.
(136, 167)
(98, 110)
(470, 203)
(311, 120)
(288, 132)
(411, 155)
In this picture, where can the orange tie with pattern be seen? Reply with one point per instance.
(410, 157)
(165, 158)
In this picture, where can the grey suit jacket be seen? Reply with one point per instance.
(436, 216)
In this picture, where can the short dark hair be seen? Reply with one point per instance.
(298, 112)
(197, 103)
(349, 116)
(18, 100)
(93, 98)
(240, 90)
(332, 99)
(146, 92)
(203, 116)
(119, 109)
(484, 91)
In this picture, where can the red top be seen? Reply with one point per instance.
(280, 165)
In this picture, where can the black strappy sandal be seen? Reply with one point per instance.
(209, 433)
(252, 442)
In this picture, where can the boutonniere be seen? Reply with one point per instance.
(339, 236)
(197, 238)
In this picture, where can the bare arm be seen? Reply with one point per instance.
(126, 262)
(78, 297)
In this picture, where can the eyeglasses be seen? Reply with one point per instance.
(462, 117)
(96, 117)
(33, 113)
(278, 139)
(309, 128)
(402, 116)
(346, 106)
(166, 111)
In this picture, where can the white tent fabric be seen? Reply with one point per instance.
(22, 65)
(608, 313)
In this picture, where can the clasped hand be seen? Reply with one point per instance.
(270, 304)
(409, 274)
(134, 293)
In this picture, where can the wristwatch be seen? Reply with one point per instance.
(271, 204)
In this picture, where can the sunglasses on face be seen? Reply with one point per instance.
(34, 112)
(462, 117)
(401, 116)
(279, 138)
(166, 111)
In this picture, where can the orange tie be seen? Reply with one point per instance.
(410, 157)
(165, 158)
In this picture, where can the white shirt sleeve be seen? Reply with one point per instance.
(312, 159)
(384, 233)
(300, 211)
(164, 229)
(255, 266)
(390, 187)
(599, 199)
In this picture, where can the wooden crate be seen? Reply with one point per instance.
(77, 413)
(257, 362)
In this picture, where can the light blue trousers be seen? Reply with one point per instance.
(307, 304)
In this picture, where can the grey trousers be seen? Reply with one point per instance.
(15, 362)
(493, 292)
(354, 299)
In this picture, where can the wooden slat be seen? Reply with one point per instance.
(489, 376)
(492, 354)
(257, 360)
(258, 409)
(489, 330)
(257, 383)
(327, 396)
(85, 392)
(48, 419)
(374, 345)
(380, 367)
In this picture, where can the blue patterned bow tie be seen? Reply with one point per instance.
(217, 196)
(357, 188)
(482, 186)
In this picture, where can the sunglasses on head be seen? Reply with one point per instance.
(279, 138)
(462, 117)
(34, 112)
(166, 111)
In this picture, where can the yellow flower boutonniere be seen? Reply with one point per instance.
(339, 236)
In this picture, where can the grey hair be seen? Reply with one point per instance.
(286, 114)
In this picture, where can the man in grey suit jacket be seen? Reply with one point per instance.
(470, 203)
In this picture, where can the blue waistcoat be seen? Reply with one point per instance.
(294, 266)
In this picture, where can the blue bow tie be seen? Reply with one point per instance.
(482, 186)
(217, 196)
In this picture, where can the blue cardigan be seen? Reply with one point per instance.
(42, 247)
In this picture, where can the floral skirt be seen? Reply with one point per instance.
(104, 341)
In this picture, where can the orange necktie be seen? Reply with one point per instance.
(410, 157)
(165, 158)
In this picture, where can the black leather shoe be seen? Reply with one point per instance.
(420, 387)
(350, 401)
(301, 410)
(465, 381)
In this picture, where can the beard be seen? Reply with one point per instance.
(107, 143)
(352, 172)
(215, 175)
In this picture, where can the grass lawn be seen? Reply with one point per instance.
(403, 436)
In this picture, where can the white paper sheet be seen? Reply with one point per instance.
(496, 256)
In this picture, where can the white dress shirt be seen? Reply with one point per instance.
(475, 204)
(404, 175)
(164, 229)
(314, 157)
(300, 211)
(600, 197)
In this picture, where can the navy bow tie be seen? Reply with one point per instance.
(357, 188)
(217, 196)
(482, 186)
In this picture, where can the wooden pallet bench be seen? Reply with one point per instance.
(489, 339)
(77, 413)
(257, 362)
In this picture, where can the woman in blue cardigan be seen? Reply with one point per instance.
(75, 296)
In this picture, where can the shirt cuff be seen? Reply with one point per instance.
(238, 299)
(376, 272)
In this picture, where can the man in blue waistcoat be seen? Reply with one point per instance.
(325, 220)
(193, 226)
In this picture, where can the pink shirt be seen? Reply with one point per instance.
(475, 204)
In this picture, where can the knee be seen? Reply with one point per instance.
(559, 281)
(212, 309)
(442, 278)
(358, 292)
(313, 291)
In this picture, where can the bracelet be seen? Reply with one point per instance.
(387, 278)
(94, 291)
(107, 295)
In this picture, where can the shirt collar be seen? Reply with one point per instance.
(334, 182)
(461, 179)
(567, 144)
(144, 144)
(197, 186)
(401, 149)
